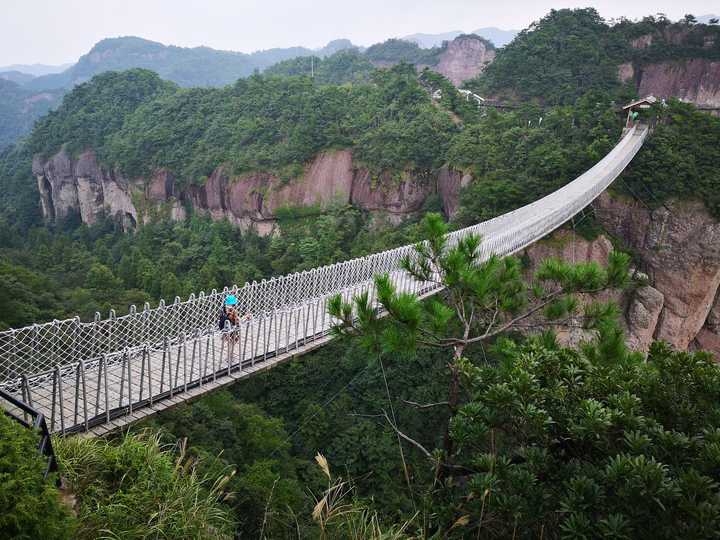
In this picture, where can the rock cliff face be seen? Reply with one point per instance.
(465, 57)
(696, 80)
(679, 247)
(81, 186)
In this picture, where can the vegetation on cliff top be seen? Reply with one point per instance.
(137, 122)
(680, 159)
(347, 66)
(570, 52)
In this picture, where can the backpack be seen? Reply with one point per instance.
(223, 317)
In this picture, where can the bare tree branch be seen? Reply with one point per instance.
(426, 406)
(409, 439)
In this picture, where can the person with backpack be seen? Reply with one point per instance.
(229, 312)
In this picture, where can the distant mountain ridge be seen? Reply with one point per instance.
(497, 36)
(36, 70)
(705, 19)
(20, 107)
(196, 66)
(29, 91)
(15, 76)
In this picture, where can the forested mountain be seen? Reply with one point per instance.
(188, 67)
(460, 59)
(392, 431)
(20, 107)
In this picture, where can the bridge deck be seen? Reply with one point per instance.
(101, 396)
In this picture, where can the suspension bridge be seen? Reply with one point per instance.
(95, 377)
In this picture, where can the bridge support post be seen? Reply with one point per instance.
(54, 399)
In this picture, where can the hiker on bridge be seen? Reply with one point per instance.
(229, 312)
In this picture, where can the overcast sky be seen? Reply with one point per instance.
(59, 31)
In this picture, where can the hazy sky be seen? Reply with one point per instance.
(59, 31)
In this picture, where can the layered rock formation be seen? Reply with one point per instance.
(81, 186)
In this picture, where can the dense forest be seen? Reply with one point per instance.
(568, 53)
(365, 438)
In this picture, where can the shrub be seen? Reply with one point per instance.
(596, 443)
(136, 488)
(30, 506)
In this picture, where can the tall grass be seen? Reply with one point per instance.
(339, 514)
(137, 488)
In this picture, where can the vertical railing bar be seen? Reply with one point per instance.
(24, 389)
(122, 380)
(240, 331)
(306, 322)
(84, 387)
(267, 321)
(324, 312)
(214, 370)
(103, 359)
(243, 351)
(77, 396)
(97, 392)
(230, 350)
(62, 401)
(142, 374)
(129, 374)
(316, 303)
(150, 373)
(177, 364)
(162, 369)
(287, 330)
(185, 373)
(259, 332)
(54, 400)
(192, 361)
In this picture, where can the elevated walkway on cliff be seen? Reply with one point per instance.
(95, 377)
